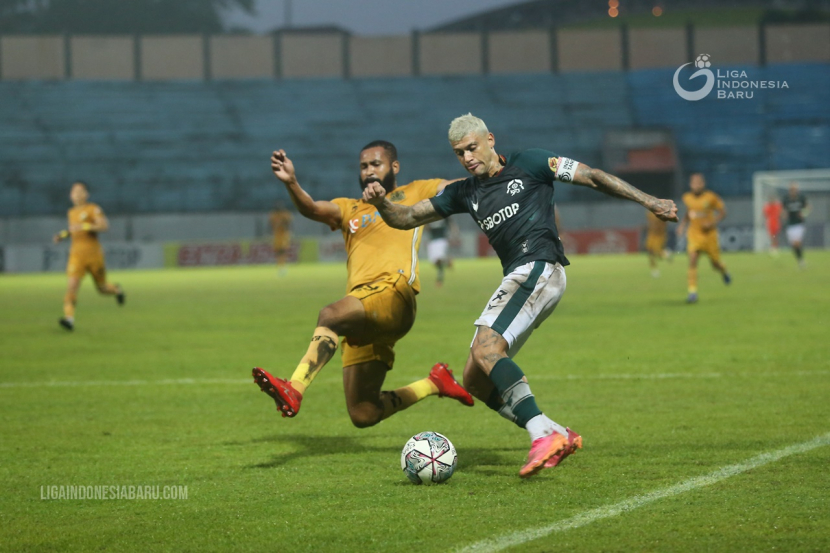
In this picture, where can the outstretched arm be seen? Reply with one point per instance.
(398, 216)
(322, 211)
(615, 186)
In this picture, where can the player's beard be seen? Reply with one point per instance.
(388, 182)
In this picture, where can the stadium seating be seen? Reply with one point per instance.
(188, 146)
(728, 140)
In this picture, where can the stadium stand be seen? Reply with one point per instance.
(188, 146)
(780, 128)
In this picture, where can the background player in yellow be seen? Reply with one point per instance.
(655, 242)
(85, 220)
(704, 210)
(379, 306)
(280, 221)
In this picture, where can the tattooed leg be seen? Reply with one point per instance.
(488, 348)
(320, 351)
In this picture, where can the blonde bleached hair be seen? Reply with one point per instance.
(464, 125)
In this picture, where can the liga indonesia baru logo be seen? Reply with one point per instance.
(731, 84)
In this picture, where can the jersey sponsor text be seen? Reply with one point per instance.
(498, 217)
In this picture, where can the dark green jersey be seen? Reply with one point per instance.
(515, 207)
(795, 209)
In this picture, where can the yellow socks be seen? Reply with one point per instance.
(692, 280)
(69, 305)
(407, 396)
(320, 351)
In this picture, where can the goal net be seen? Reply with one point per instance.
(813, 183)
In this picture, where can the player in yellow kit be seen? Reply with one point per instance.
(86, 220)
(704, 210)
(655, 241)
(379, 306)
(280, 221)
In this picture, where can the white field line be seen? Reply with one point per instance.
(512, 539)
(190, 381)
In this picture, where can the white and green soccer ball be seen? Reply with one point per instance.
(428, 458)
(703, 61)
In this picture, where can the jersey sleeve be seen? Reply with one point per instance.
(717, 202)
(344, 204)
(426, 189)
(546, 165)
(449, 200)
(539, 163)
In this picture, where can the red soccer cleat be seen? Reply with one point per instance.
(541, 451)
(574, 443)
(281, 391)
(448, 386)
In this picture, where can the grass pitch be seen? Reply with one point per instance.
(158, 393)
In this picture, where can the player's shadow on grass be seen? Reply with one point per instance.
(479, 460)
(490, 461)
(315, 446)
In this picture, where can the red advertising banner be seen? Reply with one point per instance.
(231, 253)
(585, 241)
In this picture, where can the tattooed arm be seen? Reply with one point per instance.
(615, 186)
(398, 216)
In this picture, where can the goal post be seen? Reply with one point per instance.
(813, 183)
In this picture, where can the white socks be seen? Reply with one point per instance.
(541, 426)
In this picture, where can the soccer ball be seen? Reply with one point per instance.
(702, 61)
(428, 458)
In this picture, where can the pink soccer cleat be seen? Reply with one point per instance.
(574, 443)
(541, 451)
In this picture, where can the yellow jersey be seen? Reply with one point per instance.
(656, 226)
(281, 226)
(84, 240)
(280, 222)
(702, 210)
(373, 248)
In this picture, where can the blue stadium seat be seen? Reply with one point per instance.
(185, 146)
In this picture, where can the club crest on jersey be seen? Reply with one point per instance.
(515, 186)
(553, 163)
(397, 196)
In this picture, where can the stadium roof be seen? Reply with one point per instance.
(555, 13)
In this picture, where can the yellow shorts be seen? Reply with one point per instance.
(390, 313)
(705, 243)
(655, 243)
(92, 262)
(282, 242)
